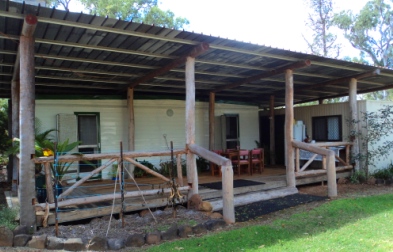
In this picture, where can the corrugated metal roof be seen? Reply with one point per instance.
(80, 54)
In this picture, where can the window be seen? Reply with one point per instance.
(327, 128)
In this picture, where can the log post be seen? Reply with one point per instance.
(212, 98)
(179, 170)
(354, 130)
(331, 174)
(48, 182)
(192, 175)
(228, 207)
(289, 117)
(131, 129)
(15, 93)
(272, 133)
(26, 190)
(297, 151)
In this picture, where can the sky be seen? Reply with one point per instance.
(276, 23)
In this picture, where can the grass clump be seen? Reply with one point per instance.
(7, 217)
(356, 224)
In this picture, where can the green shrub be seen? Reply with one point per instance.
(358, 177)
(166, 165)
(202, 164)
(138, 172)
(386, 173)
(382, 174)
(7, 217)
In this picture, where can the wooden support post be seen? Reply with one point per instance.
(331, 174)
(272, 133)
(26, 190)
(353, 110)
(48, 181)
(179, 170)
(228, 207)
(289, 117)
(131, 128)
(297, 159)
(15, 93)
(212, 98)
(192, 175)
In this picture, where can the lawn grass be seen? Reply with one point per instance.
(355, 224)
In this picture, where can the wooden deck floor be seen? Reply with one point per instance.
(272, 178)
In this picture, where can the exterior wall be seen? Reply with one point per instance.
(152, 122)
(381, 162)
(305, 114)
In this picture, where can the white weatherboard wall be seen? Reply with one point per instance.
(306, 113)
(380, 162)
(152, 122)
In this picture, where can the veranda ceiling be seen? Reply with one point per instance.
(80, 54)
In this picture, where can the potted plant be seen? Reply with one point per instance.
(114, 173)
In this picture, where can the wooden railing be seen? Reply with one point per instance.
(228, 207)
(328, 157)
(310, 147)
(226, 166)
(111, 157)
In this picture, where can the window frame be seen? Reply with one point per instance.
(326, 118)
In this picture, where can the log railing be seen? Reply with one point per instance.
(228, 207)
(345, 164)
(111, 157)
(329, 157)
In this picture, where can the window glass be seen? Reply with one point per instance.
(327, 128)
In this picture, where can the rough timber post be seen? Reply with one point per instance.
(353, 110)
(192, 175)
(131, 128)
(228, 207)
(212, 98)
(331, 174)
(26, 190)
(15, 92)
(291, 180)
(272, 133)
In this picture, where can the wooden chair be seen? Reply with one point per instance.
(240, 159)
(257, 160)
(216, 168)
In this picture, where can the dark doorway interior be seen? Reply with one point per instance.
(264, 125)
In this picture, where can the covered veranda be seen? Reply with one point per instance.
(47, 52)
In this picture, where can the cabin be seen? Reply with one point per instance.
(128, 89)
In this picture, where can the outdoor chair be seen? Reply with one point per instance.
(257, 160)
(239, 160)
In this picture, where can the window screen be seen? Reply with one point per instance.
(327, 128)
(87, 127)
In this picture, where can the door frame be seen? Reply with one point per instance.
(97, 114)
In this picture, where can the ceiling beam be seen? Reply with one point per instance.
(345, 79)
(277, 71)
(197, 50)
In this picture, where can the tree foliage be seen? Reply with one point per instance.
(4, 136)
(370, 31)
(142, 11)
(320, 21)
(56, 3)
